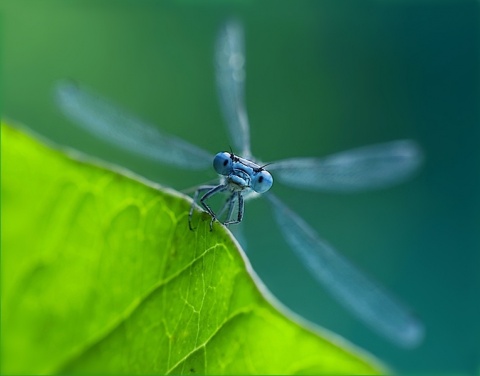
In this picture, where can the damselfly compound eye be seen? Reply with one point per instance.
(262, 181)
(222, 163)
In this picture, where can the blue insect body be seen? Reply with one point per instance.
(240, 177)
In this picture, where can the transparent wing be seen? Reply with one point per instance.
(348, 285)
(107, 121)
(230, 74)
(369, 167)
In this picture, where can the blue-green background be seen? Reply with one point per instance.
(322, 77)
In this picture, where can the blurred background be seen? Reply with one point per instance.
(322, 77)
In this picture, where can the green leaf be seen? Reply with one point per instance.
(101, 274)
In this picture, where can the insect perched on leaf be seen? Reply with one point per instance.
(242, 177)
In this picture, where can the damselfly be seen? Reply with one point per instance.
(244, 177)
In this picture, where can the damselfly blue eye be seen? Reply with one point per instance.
(222, 163)
(262, 181)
